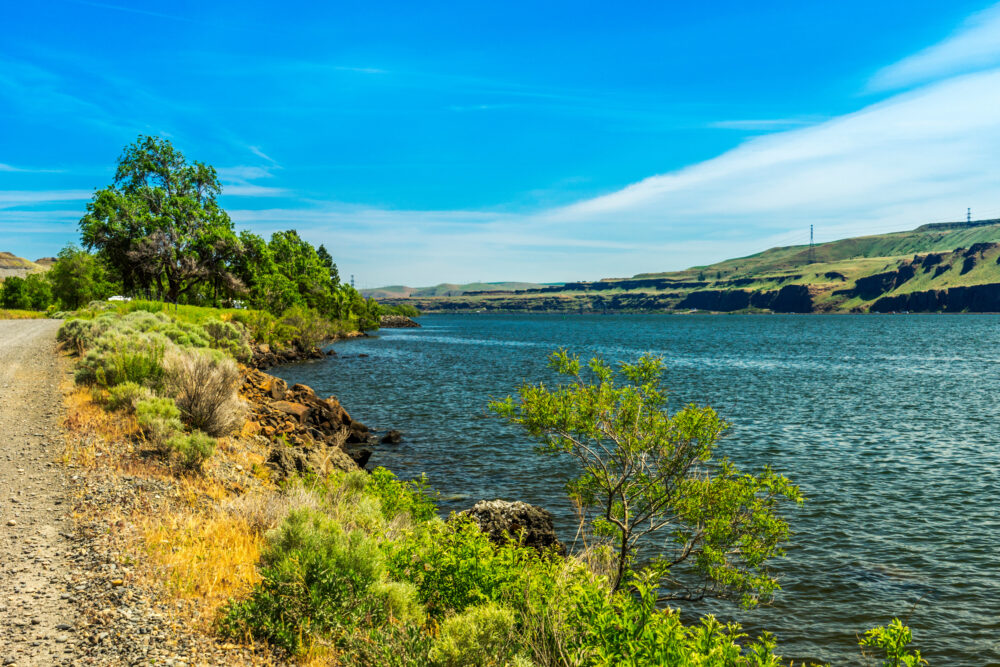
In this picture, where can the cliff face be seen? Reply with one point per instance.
(788, 299)
(972, 299)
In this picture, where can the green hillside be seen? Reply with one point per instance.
(942, 266)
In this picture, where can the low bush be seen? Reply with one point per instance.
(481, 635)
(118, 357)
(160, 419)
(126, 395)
(309, 328)
(320, 585)
(204, 384)
(193, 449)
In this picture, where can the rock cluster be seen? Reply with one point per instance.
(266, 357)
(532, 526)
(397, 322)
(310, 433)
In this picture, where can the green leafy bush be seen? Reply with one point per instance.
(481, 635)
(160, 419)
(309, 328)
(893, 640)
(397, 496)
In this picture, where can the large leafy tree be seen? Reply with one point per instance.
(705, 529)
(159, 223)
(78, 277)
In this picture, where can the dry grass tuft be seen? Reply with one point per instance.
(209, 559)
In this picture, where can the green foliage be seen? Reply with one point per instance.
(649, 473)
(480, 635)
(893, 640)
(307, 327)
(126, 395)
(78, 277)
(30, 293)
(404, 309)
(192, 449)
(319, 582)
(118, 357)
(160, 419)
(159, 225)
(398, 497)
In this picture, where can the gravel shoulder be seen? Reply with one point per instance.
(37, 611)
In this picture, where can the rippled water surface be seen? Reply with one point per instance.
(888, 423)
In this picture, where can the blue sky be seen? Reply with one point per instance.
(431, 142)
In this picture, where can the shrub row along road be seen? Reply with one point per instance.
(36, 606)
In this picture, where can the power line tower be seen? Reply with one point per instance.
(968, 215)
(812, 252)
(352, 281)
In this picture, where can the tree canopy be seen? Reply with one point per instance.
(654, 481)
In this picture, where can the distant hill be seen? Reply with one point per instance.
(949, 266)
(12, 265)
(444, 290)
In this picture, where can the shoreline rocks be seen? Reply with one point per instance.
(532, 526)
(397, 322)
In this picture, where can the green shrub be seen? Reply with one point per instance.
(309, 328)
(118, 357)
(892, 640)
(319, 582)
(481, 635)
(193, 448)
(126, 395)
(397, 496)
(160, 419)
(230, 337)
(204, 385)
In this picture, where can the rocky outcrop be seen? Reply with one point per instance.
(870, 287)
(971, 299)
(527, 524)
(309, 432)
(265, 357)
(788, 299)
(397, 322)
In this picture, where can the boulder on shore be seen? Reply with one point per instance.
(397, 322)
(530, 525)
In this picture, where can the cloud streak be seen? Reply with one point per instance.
(974, 46)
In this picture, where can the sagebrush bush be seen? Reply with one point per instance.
(204, 384)
(481, 635)
(117, 357)
(126, 395)
(230, 337)
(318, 582)
(160, 419)
(193, 449)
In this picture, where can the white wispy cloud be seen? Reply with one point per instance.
(17, 198)
(974, 46)
(763, 124)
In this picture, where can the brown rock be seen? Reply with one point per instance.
(297, 410)
(278, 389)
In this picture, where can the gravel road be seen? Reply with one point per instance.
(37, 612)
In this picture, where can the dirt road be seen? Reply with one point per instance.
(36, 604)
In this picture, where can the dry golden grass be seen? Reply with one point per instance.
(208, 559)
(21, 314)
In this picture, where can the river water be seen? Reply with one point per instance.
(888, 423)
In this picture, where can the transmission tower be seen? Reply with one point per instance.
(968, 215)
(812, 253)
(352, 281)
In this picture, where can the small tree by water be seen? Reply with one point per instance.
(653, 479)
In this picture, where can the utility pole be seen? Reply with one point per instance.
(812, 254)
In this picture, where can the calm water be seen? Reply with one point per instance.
(888, 423)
